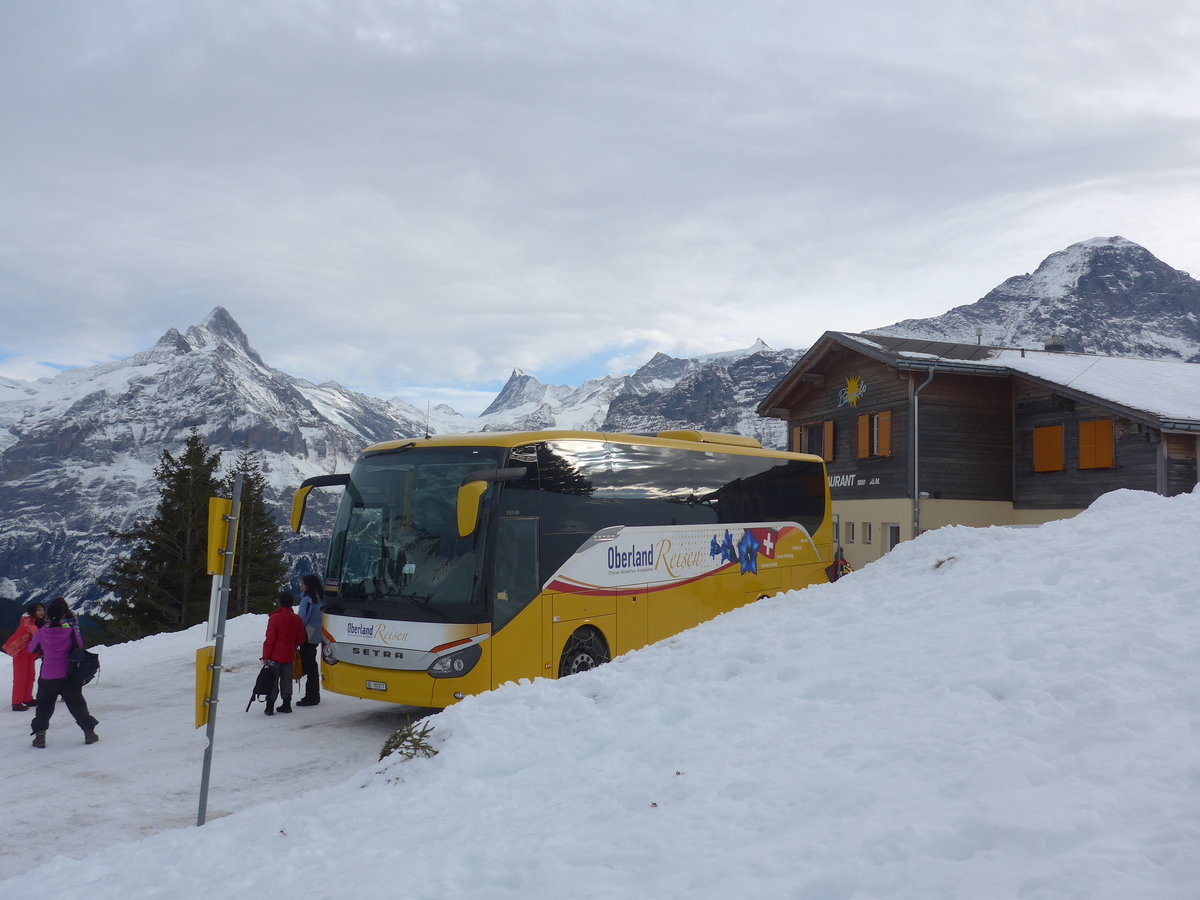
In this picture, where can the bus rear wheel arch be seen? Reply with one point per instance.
(585, 649)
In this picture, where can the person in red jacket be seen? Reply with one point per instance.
(285, 634)
(17, 647)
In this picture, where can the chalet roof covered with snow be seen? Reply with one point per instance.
(1167, 392)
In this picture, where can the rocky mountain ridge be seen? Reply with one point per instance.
(1106, 295)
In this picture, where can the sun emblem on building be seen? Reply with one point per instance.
(853, 391)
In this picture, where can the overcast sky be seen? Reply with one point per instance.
(413, 198)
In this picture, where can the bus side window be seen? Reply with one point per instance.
(515, 576)
(666, 485)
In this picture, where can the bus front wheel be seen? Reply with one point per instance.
(585, 650)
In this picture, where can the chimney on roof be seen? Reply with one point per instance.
(1056, 342)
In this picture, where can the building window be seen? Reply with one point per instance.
(837, 530)
(892, 532)
(868, 532)
(1048, 449)
(1096, 444)
(815, 438)
(875, 434)
(849, 532)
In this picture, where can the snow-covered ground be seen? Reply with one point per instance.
(984, 713)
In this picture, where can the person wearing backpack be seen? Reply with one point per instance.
(56, 640)
(17, 647)
(285, 634)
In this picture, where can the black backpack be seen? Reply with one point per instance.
(84, 664)
(262, 685)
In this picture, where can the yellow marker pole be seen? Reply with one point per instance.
(204, 676)
(229, 521)
(220, 511)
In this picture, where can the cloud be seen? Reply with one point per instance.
(403, 194)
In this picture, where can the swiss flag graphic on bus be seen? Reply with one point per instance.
(766, 538)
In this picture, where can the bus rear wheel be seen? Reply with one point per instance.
(585, 650)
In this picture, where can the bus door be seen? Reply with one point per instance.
(516, 600)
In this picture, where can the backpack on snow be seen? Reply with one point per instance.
(262, 685)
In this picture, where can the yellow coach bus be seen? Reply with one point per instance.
(460, 562)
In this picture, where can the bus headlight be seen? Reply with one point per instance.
(452, 665)
(327, 655)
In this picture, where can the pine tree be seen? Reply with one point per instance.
(162, 584)
(258, 567)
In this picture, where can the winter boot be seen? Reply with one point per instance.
(308, 701)
(270, 710)
(287, 706)
(39, 740)
(90, 736)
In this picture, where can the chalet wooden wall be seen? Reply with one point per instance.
(966, 437)
(885, 389)
(976, 441)
(1135, 458)
(1181, 452)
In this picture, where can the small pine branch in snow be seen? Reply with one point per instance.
(409, 741)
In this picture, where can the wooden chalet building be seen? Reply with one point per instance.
(919, 434)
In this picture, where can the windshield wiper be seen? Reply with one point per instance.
(421, 600)
(400, 449)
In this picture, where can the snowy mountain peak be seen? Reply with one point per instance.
(221, 324)
(1104, 295)
(172, 342)
(520, 390)
(220, 330)
(757, 347)
(1059, 274)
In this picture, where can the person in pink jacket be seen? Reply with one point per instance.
(285, 634)
(56, 640)
(17, 647)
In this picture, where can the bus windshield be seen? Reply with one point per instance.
(395, 551)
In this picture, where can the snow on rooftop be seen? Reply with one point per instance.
(1163, 388)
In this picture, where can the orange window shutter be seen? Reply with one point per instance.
(1096, 444)
(1048, 449)
(827, 441)
(885, 434)
(1087, 445)
(1104, 444)
(864, 437)
(798, 439)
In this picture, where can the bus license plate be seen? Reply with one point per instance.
(376, 686)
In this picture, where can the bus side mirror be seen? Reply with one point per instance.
(301, 497)
(299, 501)
(468, 506)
